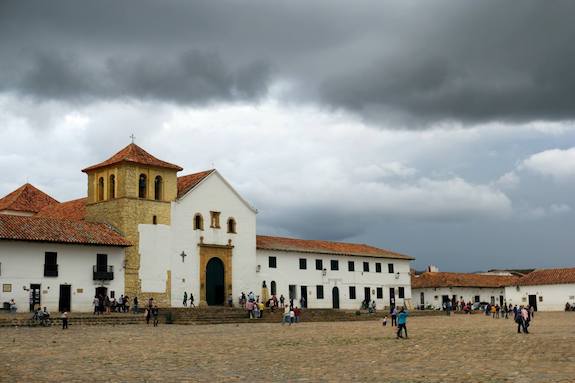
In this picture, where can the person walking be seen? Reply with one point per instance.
(402, 323)
(393, 314)
(155, 313)
(185, 299)
(96, 304)
(282, 301)
(521, 317)
(148, 314)
(135, 305)
(192, 300)
(64, 320)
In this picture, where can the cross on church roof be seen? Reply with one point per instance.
(132, 137)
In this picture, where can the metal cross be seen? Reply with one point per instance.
(133, 137)
(183, 255)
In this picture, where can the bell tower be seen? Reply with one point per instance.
(130, 188)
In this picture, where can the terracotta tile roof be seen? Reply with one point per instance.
(441, 279)
(548, 277)
(40, 229)
(265, 242)
(74, 210)
(26, 198)
(135, 154)
(186, 183)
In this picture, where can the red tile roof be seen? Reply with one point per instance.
(265, 242)
(548, 277)
(134, 154)
(186, 183)
(74, 210)
(37, 229)
(26, 198)
(441, 279)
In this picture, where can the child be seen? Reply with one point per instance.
(64, 320)
(385, 320)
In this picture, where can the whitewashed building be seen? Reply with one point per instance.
(58, 264)
(174, 234)
(432, 289)
(544, 289)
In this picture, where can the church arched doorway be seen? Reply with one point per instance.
(335, 297)
(215, 286)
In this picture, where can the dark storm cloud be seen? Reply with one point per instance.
(193, 77)
(423, 61)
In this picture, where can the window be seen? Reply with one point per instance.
(401, 292)
(158, 188)
(272, 262)
(302, 264)
(390, 268)
(319, 291)
(142, 186)
(379, 292)
(50, 264)
(492, 300)
(377, 267)
(101, 189)
(334, 264)
(476, 299)
(112, 186)
(112, 294)
(540, 298)
(350, 266)
(273, 287)
(154, 220)
(351, 292)
(422, 298)
(7, 288)
(215, 219)
(366, 267)
(198, 222)
(102, 262)
(318, 264)
(231, 225)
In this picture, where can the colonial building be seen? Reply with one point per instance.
(174, 234)
(544, 289)
(431, 289)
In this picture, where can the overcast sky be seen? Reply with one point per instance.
(441, 129)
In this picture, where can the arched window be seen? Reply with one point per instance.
(112, 186)
(158, 188)
(273, 287)
(101, 189)
(142, 186)
(198, 222)
(231, 225)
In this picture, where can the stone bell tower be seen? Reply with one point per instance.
(130, 188)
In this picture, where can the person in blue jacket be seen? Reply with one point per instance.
(402, 322)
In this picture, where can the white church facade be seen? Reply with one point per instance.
(163, 235)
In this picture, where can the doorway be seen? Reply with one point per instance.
(34, 297)
(367, 295)
(65, 298)
(501, 301)
(303, 299)
(101, 292)
(215, 288)
(391, 297)
(335, 297)
(533, 301)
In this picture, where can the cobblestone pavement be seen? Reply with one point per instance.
(440, 349)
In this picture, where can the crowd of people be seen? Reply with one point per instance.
(106, 305)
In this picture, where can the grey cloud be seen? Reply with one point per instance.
(192, 78)
(422, 62)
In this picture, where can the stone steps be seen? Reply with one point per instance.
(202, 316)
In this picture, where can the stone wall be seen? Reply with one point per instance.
(126, 211)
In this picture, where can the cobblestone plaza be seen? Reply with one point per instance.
(459, 348)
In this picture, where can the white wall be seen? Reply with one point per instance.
(22, 264)
(433, 296)
(161, 246)
(549, 297)
(288, 273)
